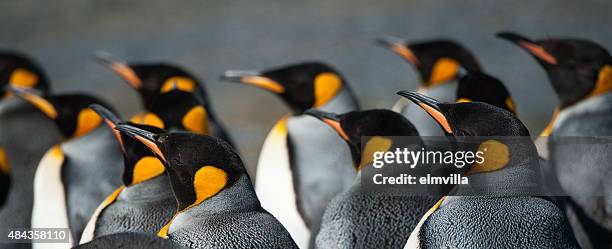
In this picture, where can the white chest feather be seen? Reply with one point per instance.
(274, 185)
(49, 209)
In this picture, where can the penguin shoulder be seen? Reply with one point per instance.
(590, 117)
(485, 222)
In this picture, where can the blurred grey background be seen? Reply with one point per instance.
(208, 37)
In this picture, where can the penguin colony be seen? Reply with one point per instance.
(171, 176)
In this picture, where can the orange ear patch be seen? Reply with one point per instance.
(196, 120)
(496, 156)
(604, 81)
(87, 121)
(146, 168)
(326, 86)
(148, 118)
(179, 83)
(444, 70)
(23, 78)
(373, 145)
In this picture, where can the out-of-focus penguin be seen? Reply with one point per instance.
(217, 205)
(176, 110)
(439, 64)
(153, 79)
(580, 72)
(74, 176)
(145, 202)
(301, 166)
(27, 134)
(503, 213)
(358, 217)
(481, 87)
(16, 70)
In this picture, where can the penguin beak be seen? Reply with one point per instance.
(254, 78)
(33, 97)
(398, 46)
(431, 106)
(110, 119)
(119, 67)
(147, 138)
(330, 119)
(532, 47)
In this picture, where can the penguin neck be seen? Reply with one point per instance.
(155, 188)
(240, 196)
(344, 101)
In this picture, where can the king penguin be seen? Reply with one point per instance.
(301, 165)
(500, 212)
(153, 79)
(580, 72)
(145, 202)
(362, 218)
(217, 205)
(73, 176)
(439, 64)
(16, 70)
(27, 134)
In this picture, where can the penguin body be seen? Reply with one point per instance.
(580, 72)
(145, 202)
(509, 176)
(439, 63)
(16, 70)
(217, 205)
(153, 79)
(297, 175)
(26, 131)
(361, 217)
(69, 170)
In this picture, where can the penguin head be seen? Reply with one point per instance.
(437, 61)
(150, 79)
(199, 166)
(70, 112)
(377, 125)
(576, 68)
(302, 86)
(481, 87)
(478, 119)
(469, 119)
(18, 70)
(140, 164)
(176, 110)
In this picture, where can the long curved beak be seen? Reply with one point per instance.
(34, 97)
(252, 77)
(120, 67)
(431, 106)
(147, 138)
(398, 46)
(331, 119)
(531, 46)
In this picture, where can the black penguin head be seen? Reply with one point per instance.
(576, 68)
(70, 112)
(377, 125)
(469, 119)
(481, 87)
(482, 120)
(140, 164)
(18, 70)
(199, 166)
(176, 110)
(150, 79)
(302, 86)
(437, 61)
